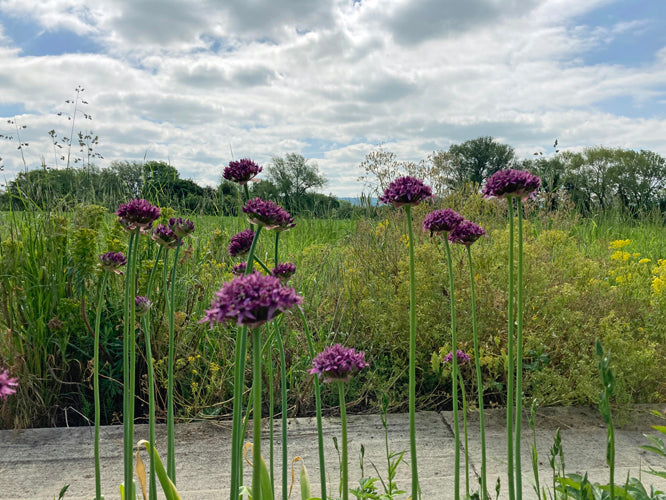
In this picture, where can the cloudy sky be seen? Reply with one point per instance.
(198, 83)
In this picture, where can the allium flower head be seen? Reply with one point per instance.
(239, 269)
(268, 214)
(111, 261)
(164, 237)
(406, 191)
(7, 384)
(441, 221)
(241, 243)
(241, 171)
(511, 182)
(466, 233)
(142, 305)
(182, 227)
(462, 356)
(284, 271)
(251, 300)
(137, 214)
(338, 362)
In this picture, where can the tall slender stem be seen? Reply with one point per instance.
(256, 414)
(454, 376)
(510, 366)
(412, 356)
(479, 379)
(345, 455)
(283, 391)
(171, 437)
(98, 322)
(519, 352)
(317, 386)
(463, 395)
(268, 347)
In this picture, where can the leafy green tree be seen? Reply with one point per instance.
(476, 160)
(293, 177)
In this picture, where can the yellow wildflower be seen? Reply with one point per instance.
(617, 244)
(620, 255)
(644, 261)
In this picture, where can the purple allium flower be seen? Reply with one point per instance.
(164, 237)
(268, 214)
(111, 261)
(241, 243)
(462, 356)
(441, 221)
(466, 233)
(338, 362)
(511, 182)
(181, 226)
(142, 305)
(241, 171)
(239, 269)
(284, 271)
(137, 214)
(250, 300)
(7, 384)
(406, 191)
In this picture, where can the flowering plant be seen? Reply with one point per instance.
(241, 242)
(137, 214)
(511, 182)
(241, 171)
(338, 362)
(267, 214)
(406, 191)
(7, 384)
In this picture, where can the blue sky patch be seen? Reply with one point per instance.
(11, 110)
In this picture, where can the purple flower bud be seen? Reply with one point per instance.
(164, 237)
(250, 300)
(241, 243)
(466, 233)
(241, 171)
(511, 182)
(268, 214)
(137, 214)
(142, 305)
(239, 269)
(338, 363)
(462, 356)
(441, 221)
(284, 271)
(111, 261)
(181, 227)
(7, 384)
(406, 191)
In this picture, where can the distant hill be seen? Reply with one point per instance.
(357, 200)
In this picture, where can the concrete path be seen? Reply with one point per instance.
(36, 463)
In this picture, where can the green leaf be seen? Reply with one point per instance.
(168, 487)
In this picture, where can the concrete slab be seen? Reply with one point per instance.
(36, 463)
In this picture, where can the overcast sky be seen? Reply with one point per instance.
(192, 83)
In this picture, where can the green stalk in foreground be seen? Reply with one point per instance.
(510, 365)
(171, 437)
(345, 456)
(412, 357)
(454, 375)
(479, 379)
(256, 413)
(98, 321)
(129, 348)
(519, 352)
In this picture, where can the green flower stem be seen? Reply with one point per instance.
(171, 437)
(519, 352)
(283, 390)
(454, 377)
(271, 402)
(464, 401)
(412, 356)
(129, 352)
(510, 367)
(345, 457)
(239, 377)
(256, 413)
(317, 388)
(479, 379)
(98, 322)
(145, 321)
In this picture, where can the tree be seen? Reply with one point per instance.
(476, 160)
(293, 177)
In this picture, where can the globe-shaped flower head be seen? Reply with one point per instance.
(142, 305)
(338, 363)
(239, 269)
(181, 227)
(164, 237)
(511, 182)
(406, 191)
(441, 221)
(284, 271)
(250, 300)
(268, 214)
(111, 261)
(241, 171)
(241, 243)
(7, 384)
(466, 233)
(462, 357)
(137, 214)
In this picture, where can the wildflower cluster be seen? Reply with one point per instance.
(241, 171)
(511, 182)
(338, 362)
(138, 214)
(181, 227)
(111, 261)
(164, 237)
(241, 242)
(466, 233)
(267, 214)
(406, 191)
(7, 384)
(462, 357)
(284, 271)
